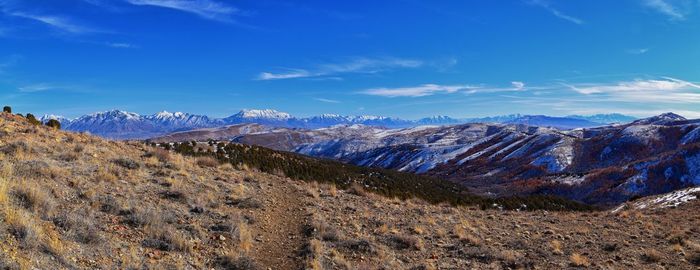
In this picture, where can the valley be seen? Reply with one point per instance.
(604, 165)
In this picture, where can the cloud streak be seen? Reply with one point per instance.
(557, 13)
(434, 89)
(665, 84)
(665, 8)
(417, 91)
(327, 100)
(355, 65)
(60, 23)
(206, 9)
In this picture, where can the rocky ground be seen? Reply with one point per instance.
(74, 201)
(378, 233)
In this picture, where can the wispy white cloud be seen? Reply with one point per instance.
(207, 9)
(518, 85)
(289, 74)
(433, 89)
(417, 91)
(121, 45)
(545, 4)
(354, 65)
(44, 87)
(665, 8)
(327, 100)
(40, 87)
(60, 23)
(664, 84)
(638, 51)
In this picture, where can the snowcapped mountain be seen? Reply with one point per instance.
(613, 118)
(438, 120)
(258, 116)
(603, 165)
(661, 119)
(555, 122)
(179, 120)
(113, 124)
(117, 124)
(46, 117)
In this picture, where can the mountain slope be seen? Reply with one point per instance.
(603, 165)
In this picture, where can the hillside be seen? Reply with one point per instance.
(74, 201)
(604, 165)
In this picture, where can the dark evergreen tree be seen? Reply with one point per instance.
(7, 109)
(54, 124)
(32, 119)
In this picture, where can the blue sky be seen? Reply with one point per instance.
(403, 58)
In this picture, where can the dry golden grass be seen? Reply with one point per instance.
(556, 247)
(418, 229)
(652, 256)
(207, 162)
(245, 239)
(105, 174)
(579, 260)
(332, 190)
(466, 233)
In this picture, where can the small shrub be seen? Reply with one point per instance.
(651, 256)
(126, 163)
(229, 262)
(68, 157)
(7, 109)
(358, 245)
(32, 169)
(81, 229)
(579, 260)
(405, 242)
(357, 189)
(161, 154)
(333, 191)
(137, 217)
(165, 238)
(556, 247)
(103, 174)
(34, 199)
(245, 239)
(173, 195)
(14, 148)
(23, 228)
(207, 162)
(109, 204)
(418, 229)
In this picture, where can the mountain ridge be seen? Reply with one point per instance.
(118, 124)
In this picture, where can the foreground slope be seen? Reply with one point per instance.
(73, 201)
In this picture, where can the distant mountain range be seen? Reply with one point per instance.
(117, 124)
(602, 165)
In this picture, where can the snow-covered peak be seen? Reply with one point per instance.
(264, 114)
(660, 119)
(369, 118)
(52, 116)
(114, 114)
(165, 115)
